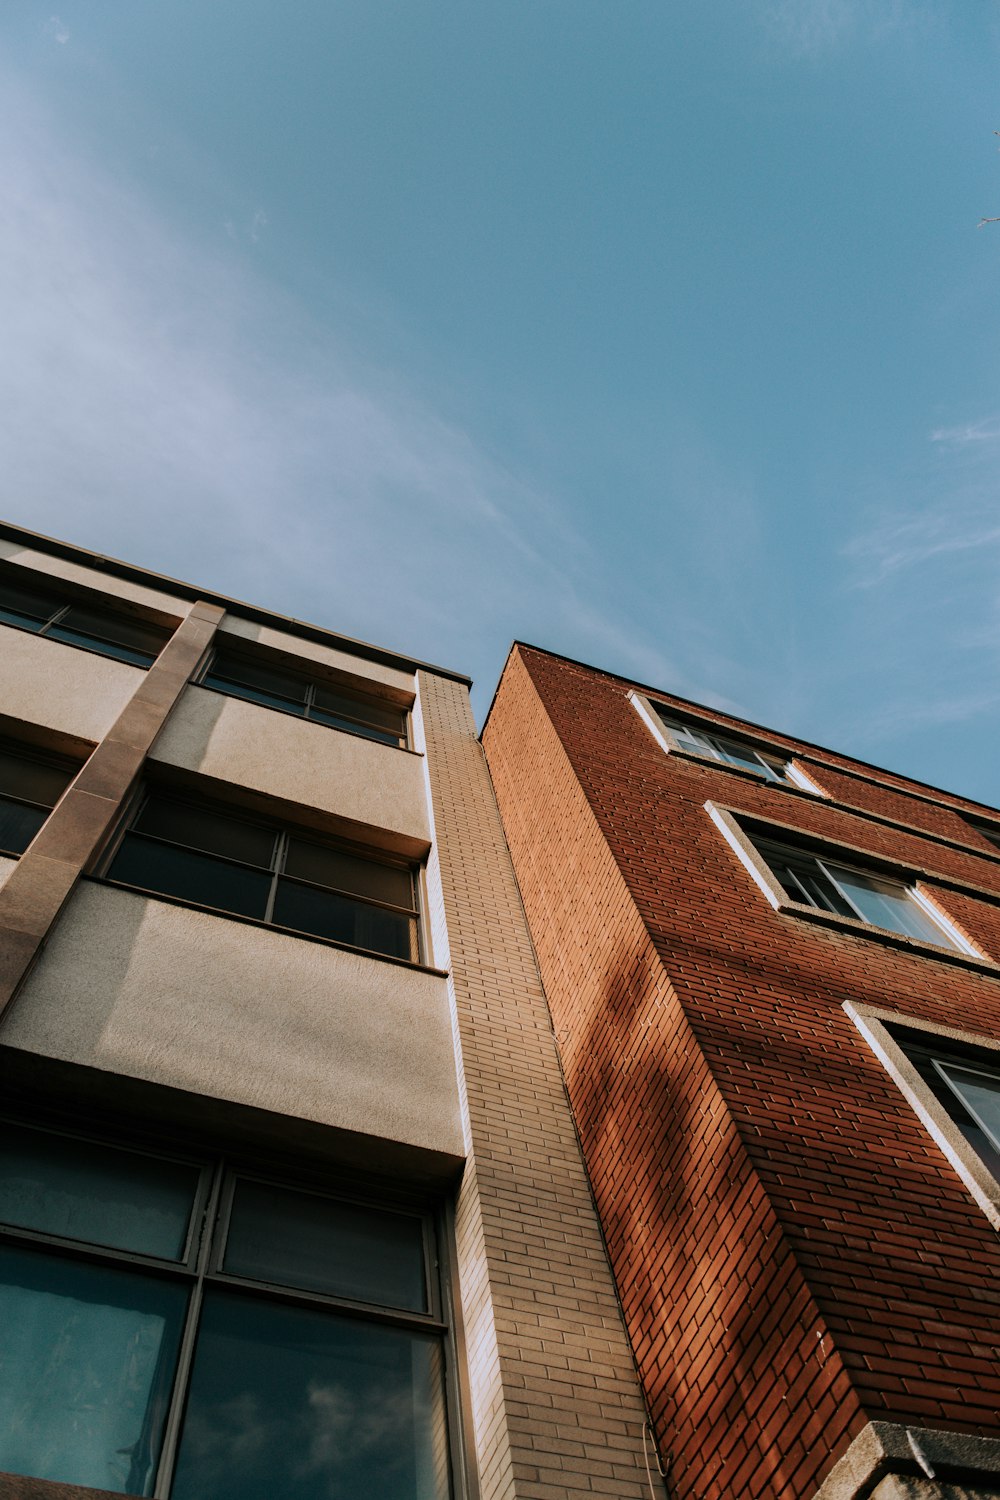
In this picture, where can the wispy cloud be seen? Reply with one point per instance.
(56, 30)
(811, 28)
(921, 600)
(987, 431)
(164, 403)
(906, 541)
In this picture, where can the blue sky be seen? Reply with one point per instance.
(659, 334)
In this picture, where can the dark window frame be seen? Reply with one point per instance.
(311, 684)
(201, 1267)
(282, 834)
(32, 756)
(64, 600)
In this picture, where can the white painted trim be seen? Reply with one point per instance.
(748, 856)
(962, 952)
(653, 722)
(872, 1023)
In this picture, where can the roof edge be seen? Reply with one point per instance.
(764, 729)
(132, 573)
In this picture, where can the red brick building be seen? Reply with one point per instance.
(774, 976)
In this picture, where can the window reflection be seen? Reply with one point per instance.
(290, 1402)
(86, 1363)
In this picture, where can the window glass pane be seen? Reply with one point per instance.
(379, 715)
(354, 726)
(741, 755)
(105, 647)
(979, 1092)
(121, 630)
(802, 879)
(252, 694)
(689, 739)
(23, 606)
(345, 921)
(86, 1362)
(103, 1195)
(233, 674)
(191, 877)
(886, 904)
(291, 1402)
(349, 872)
(213, 832)
(31, 780)
(18, 825)
(299, 1239)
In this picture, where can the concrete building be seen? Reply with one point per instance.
(774, 975)
(291, 1203)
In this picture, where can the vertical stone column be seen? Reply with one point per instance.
(36, 891)
(556, 1404)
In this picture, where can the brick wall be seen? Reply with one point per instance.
(557, 1411)
(794, 1254)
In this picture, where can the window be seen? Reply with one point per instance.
(29, 788)
(828, 885)
(951, 1080)
(211, 857)
(181, 1328)
(46, 613)
(325, 703)
(967, 1085)
(989, 831)
(730, 752)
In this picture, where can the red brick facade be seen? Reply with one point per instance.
(795, 1256)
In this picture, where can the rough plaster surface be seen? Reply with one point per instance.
(83, 693)
(94, 578)
(327, 656)
(178, 997)
(282, 756)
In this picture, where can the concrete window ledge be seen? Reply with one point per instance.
(891, 1462)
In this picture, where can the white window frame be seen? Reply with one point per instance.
(873, 1023)
(776, 768)
(956, 945)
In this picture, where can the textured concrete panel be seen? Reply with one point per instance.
(282, 756)
(327, 656)
(94, 578)
(61, 687)
(197, 1002)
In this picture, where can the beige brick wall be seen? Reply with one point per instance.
(556, 1405)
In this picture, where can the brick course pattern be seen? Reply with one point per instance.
(557, 1411)
(795, 1256)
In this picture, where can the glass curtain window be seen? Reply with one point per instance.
(275, 687)
(318, 1364)
(112, 634)
(254, 870)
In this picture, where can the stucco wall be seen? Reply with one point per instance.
(155, 991)
(61, 687)
(282, 756)
(93, 578)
